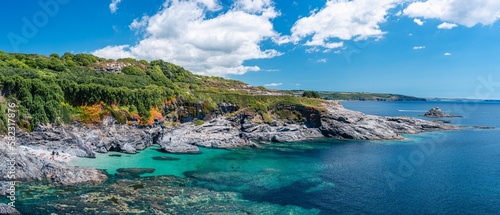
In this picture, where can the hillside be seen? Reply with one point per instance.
(84, 88)
(362, 96)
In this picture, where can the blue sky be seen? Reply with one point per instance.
(426, 48)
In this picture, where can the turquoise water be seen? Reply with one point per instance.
(446, 172)
(144, 159)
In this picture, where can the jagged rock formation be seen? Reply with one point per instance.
(338, 122)
(29, 167)
(437, 113)
(238, 130)
(82, 140)
(7, 210)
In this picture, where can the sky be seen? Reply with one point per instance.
(424, 48)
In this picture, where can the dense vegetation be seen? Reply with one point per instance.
(85, 88)
(311, 94)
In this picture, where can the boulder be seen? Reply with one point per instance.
(7, 210)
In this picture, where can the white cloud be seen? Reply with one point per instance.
(323, 60)
(342, 20)
(418, 21)
(446, 25)
(253, 6)
(139, 23)
(182, 34)
(447, 54)
(115, 51)
(273, 84)
(464, 12)
(418, 47)
(312, 50)
(113, 6)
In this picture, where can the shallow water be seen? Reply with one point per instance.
(447, 172)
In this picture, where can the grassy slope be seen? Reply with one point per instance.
(56, 89)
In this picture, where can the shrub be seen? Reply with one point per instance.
(198, 122)
(311, 94)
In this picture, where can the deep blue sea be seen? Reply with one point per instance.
(445, 172)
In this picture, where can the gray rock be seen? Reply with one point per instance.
(127, 148)
(177, 147)
(438, 113)
(7, 210)
(338, 122)
(32, 168)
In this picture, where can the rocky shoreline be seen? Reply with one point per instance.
(240, 130)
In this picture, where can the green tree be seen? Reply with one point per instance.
(311, 94)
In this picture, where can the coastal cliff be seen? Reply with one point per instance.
(238, 130)
(227, 131)
(80, 105)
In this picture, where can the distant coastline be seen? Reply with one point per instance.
(361, 96)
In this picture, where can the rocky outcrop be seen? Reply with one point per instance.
(82, 140)
(178, 147)
(236, 130)
(438, 113)
(29, 167)
(338, 122)
(7, 210)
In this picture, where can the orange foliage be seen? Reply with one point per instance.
(169, 102)
(92, 114)
(155, 115)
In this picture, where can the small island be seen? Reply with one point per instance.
(438, 113)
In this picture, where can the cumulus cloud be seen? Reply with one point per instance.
(418, 47)
(418, 21)
(115, 51)
(447, 54)
(323, 60)
(341, 20)
(113, 6)
(253, 6)
(139, 23)
(182, 33)
(446, 25)
(273, 84)
(464, 12)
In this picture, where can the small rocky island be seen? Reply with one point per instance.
(438, 113)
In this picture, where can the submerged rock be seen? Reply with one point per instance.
(151, 195)
(138, 171)
(483, 127)
(165, 158)
(438, 113)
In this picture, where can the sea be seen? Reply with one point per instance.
(442, 172)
